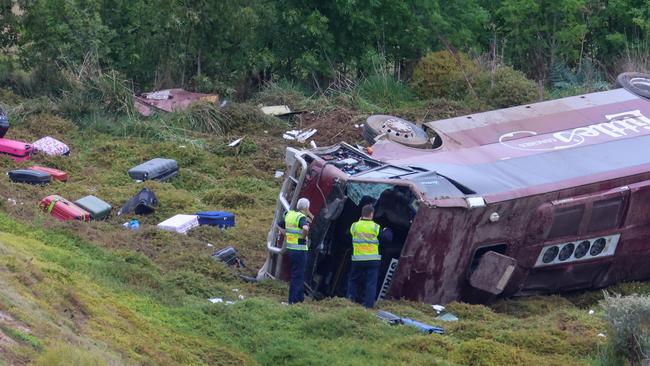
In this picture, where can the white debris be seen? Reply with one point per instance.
(591, 312)
(312, 143)
(236, 142)
(210, 245)
(276, 110)
(158, 95)
(278, 174)
(356, 125)
(182, 146)
(11, 201)
(229, 302)
(216, 300)
(241, 297)
(299, 135)
(438, 308)
(601, 335)
(305, 135)
(235, 290)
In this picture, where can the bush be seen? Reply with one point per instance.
(384, 91)
(629, 323)
(506, 87)
(443, 75)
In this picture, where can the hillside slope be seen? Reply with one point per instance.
(95, 293)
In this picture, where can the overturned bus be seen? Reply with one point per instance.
(536, 199)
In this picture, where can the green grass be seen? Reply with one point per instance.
(95, 293)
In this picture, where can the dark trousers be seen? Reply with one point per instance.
(363, 274)
(297, 283)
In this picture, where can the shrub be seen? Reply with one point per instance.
(282, 92)
(443, 75)
(384, 91)
(629, 323)
(506, 87)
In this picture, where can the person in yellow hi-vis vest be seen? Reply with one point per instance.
(365, 258)
(295, 226)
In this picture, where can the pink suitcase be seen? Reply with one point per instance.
(17, 150)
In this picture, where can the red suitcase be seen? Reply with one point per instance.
(62, 209)
(56, 174)
(17, 150)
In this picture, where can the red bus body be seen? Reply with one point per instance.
(543, 198)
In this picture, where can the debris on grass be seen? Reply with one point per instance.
(236, 142)
(299, 135)
(394, 320)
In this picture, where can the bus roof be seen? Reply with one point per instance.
(554, 144)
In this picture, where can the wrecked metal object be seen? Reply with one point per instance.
(394, 320)
(229, 256)
(395, 129)
(276, 110)
(169, 100)
(299, 135)
(280, 111)
(493, 272)
(569, 180)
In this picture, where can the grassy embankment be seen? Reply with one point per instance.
(79, 293)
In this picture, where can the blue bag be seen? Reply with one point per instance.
(221, 219)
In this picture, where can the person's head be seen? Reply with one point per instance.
(303, 205)
(367, 211)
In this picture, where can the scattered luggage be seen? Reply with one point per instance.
(4, 123)
(17, 150)
(62, 209)
(55, 173)
(155, 169)
(221, 219)
(97, 208)
(143, 203)
(180, 223)
(229, 256)
(51, 146)
(29, 176)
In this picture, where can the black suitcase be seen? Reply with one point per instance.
(229, 256)
(4, 123)
(29, 176)
(155, 169)
(143, 203)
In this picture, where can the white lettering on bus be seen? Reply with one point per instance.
(619, 125)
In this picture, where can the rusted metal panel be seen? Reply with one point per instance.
(493, 273)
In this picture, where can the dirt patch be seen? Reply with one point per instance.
(333, 126)
(5, 340)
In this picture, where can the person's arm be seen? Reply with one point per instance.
(282, 226)
(304, 225)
